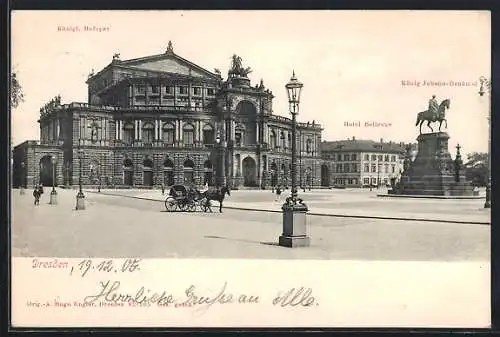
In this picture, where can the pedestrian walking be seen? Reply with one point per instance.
(37, 192)
(278, 193)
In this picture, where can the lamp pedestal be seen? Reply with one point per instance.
(487, 203)
(22, 191)
(53, 197)
(80, 201)
(294, 226)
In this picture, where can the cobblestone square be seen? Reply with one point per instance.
(120, 226)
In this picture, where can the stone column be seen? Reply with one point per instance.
(233, 129)
(156, 129)
(58, 132)
(160, 129)
(180, 131)
(120, 131)
(140, 129)
(136, 134)
(117, 129)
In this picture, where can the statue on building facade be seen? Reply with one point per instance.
(434, 113)
(237, 67)
(170, 47)
(54, 102)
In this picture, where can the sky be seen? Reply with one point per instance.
(352, 63)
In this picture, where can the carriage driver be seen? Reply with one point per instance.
(433, 105)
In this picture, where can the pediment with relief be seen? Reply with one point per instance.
(169, 62)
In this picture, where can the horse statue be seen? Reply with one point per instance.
(217, 194)
(438, 115)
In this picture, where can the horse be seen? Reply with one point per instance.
(217, 194)
(430, 117)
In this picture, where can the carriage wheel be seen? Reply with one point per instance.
(170, 204)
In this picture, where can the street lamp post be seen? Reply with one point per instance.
(53, 193)
(222, 170)
(486, 84)
(294, 210)
(80, 197)
(21, 183)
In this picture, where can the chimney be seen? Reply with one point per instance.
(353, 138)
(381, 140)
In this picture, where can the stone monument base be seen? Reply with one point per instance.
(434, 172)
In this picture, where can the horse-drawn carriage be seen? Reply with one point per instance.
(185, 198)
(188, 198)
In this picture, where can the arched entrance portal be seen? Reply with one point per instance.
(147, 171)
(46, 171)
(188, 172)
(208, 173)
(325, 176)
(128, 172)
(168, 172)
(249, 172)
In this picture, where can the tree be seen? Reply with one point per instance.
(476, 168)
(16, 91)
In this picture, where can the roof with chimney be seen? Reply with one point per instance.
(362, 145)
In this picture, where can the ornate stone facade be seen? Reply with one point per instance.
(164, 120)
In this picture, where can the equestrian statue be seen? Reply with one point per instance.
(435, 113)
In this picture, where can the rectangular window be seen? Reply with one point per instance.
(208, 137)
(366, 181)
(168, 136)
(182, 90)
(169, 90)
(386, 168)
(339, 157)
(197, 91)
(374, 157)
(188, 137)
(386, 158)
(346, 168)
(393, 158)
(380, 157)
(367, 157)
(346, 157)
(354, 157)
(155, 89)
(367, 168)
(141, 89)
(393, 168)
(210, 92)
(374, 168)
(354, 167)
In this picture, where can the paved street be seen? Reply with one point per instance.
(119, 226)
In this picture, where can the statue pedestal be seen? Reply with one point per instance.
(433, 172)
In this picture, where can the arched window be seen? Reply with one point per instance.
(239, 135)
(272, 139)
(282, 139)
(148, 133)
(147, 164)
(246, 108)
(168, 133)
(188, 134)
(128, 133)
(208, 134)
